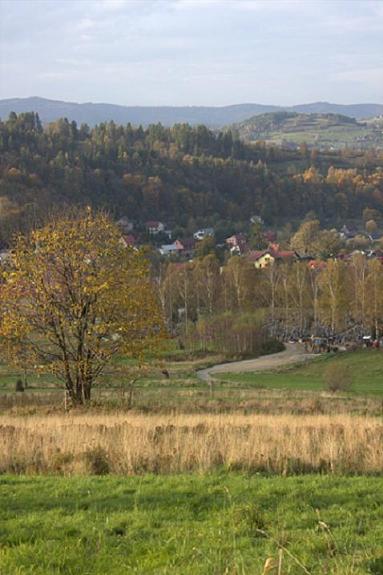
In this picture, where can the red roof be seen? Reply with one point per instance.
(129, 240)
(187, 244)
(284, 254)
(254, 255)
(316, 264)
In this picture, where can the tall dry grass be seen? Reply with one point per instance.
(136, 444)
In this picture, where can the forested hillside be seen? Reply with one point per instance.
(178, 175)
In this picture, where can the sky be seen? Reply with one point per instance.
(192, 52)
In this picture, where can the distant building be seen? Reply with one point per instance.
(375, 236)
(186, 246)
(264, 258)
(347, 233)
(129, 240)
(181, 247)
(203, 233)
(125, 225)
(237, 244)
(256, 220)
(169, 249)
(153, 227)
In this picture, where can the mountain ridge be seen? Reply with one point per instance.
(213, 116)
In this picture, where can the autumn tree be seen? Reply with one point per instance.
(73, 298)
(371, 226)
(333, 300)
(306, 237)
(374, 303)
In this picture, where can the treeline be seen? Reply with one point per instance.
(182, 175)
(214, 303)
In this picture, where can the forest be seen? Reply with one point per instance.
(231, 308)
(183, 175)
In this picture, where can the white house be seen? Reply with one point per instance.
(203, 233)
(154, 227)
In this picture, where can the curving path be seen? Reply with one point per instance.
(293, 354)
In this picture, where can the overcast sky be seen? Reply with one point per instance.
(192, 52)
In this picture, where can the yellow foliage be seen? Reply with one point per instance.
(74, 297)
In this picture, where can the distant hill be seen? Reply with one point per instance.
(320, 130)
(92, 114)
(358, 111)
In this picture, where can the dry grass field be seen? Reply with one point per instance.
(136, 444)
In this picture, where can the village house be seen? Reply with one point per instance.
(203, 233)
(186, 246)
(272, 254)
(125, 225)
(347, 233)
(129, 240)
(169, 249)
(182, 247)
(154, 227)
(237, 244)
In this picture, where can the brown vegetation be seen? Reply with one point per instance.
(338, 377)
(163, 444)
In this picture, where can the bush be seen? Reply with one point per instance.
(272, 346)
(338, 377)
(19, 385)
(97, 461)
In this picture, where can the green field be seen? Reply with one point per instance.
(290, 390)
(319, 130)
(188, 524)
(366, 367)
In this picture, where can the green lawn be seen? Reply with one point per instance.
(190, 525)
(366, 367)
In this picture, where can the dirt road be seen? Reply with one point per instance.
(294, 353)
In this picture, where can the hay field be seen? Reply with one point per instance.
(136, 444)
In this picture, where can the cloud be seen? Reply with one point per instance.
(85, 24)
(191, 51)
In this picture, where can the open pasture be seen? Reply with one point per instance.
(216, 524)
(365, 366)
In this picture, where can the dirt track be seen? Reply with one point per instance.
(294, 353)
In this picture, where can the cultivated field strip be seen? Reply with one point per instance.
(135, 444)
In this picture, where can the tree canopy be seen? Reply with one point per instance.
(179, 175)
(73, 297)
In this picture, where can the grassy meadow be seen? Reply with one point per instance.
(260, 473)
(215, 524)
(299, 389)
(366, 367)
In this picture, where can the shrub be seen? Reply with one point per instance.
(272, 346)
(97, 461)
(338, 377)
(19, 385)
